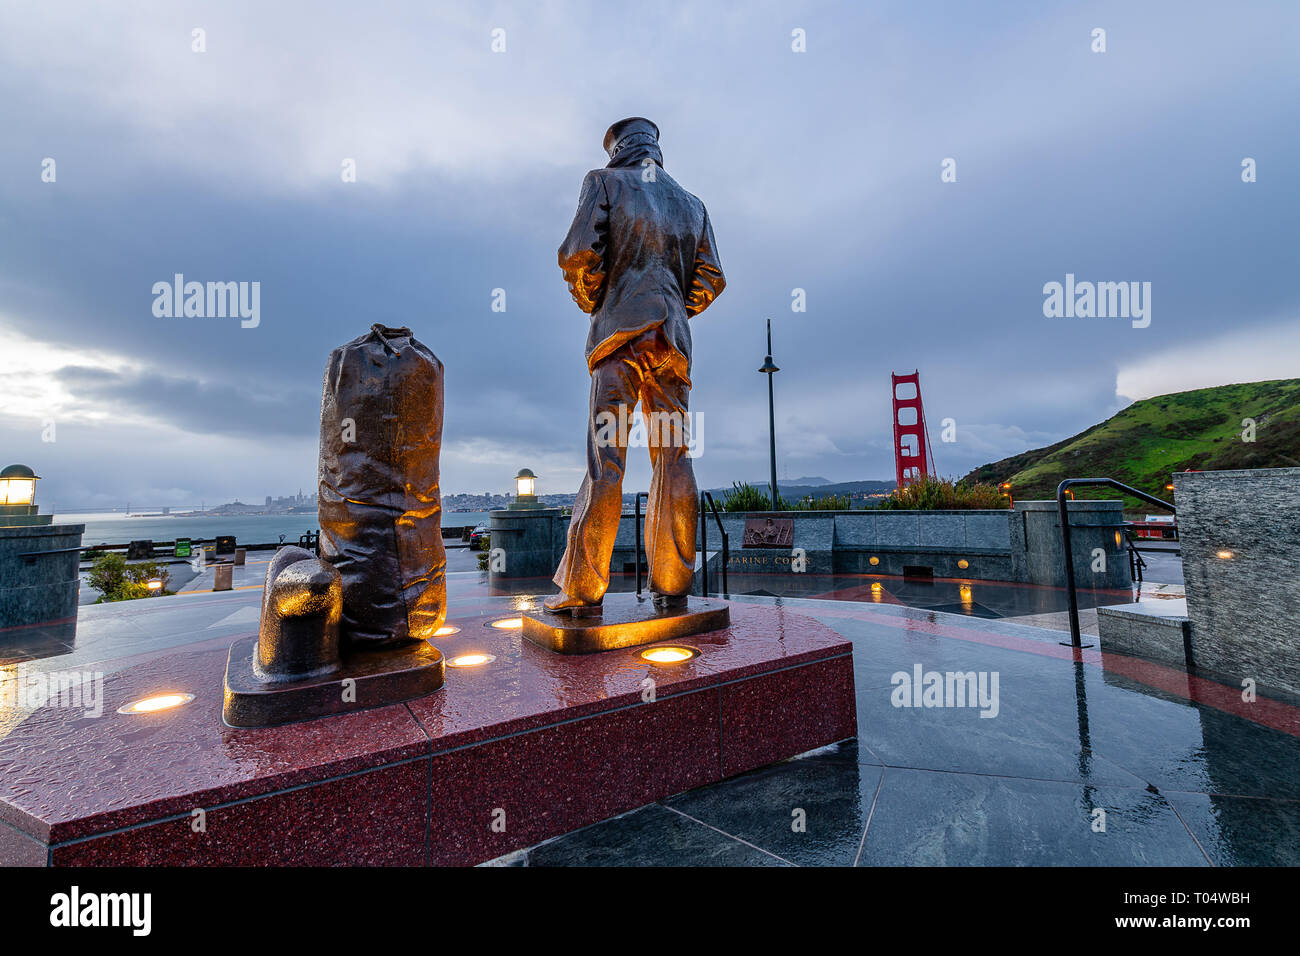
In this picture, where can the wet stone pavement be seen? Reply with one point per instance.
(1080, 766)
(1082, 759)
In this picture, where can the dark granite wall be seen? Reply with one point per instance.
(1244, 607)
(43, 588)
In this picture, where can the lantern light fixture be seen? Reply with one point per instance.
(18, 486)
(525, 491)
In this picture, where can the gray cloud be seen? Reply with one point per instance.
(203, 408)
(820, 170)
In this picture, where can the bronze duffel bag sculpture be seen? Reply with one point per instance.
(379, 502)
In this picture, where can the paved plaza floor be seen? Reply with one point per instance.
(1072, 758)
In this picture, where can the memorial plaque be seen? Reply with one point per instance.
(768, 533)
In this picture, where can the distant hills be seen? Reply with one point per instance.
(1143, 445)
(795, 488)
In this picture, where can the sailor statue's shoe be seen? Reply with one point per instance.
(563, 603)
(669, 602)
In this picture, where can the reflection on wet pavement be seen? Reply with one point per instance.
(1088, 759)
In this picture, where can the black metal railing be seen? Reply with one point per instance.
(637, 523)
(707, 504)
(1063, 511)
(704, 544)
(29, 555)
(1135, 563)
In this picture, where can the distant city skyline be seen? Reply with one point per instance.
(455, 497)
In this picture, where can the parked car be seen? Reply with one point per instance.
(477, 535)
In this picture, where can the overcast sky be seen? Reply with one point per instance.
(821, 171)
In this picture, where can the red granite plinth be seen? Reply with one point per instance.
(528, 746)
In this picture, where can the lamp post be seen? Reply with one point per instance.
(769, 369)
(527, 536)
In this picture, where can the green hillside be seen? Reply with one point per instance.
(1148, 441)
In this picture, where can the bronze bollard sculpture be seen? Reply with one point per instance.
(298, 635)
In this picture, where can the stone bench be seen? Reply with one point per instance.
(1156, 630)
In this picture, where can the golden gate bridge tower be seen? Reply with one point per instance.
(912, 452)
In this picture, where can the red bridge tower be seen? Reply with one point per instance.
(912, 454)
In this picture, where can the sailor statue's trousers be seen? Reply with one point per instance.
(649, 370)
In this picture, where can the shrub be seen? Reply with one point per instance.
(108, 573)
(746, 497)
(824, 503)
(118, 581)
(146, 571)
(944, 494)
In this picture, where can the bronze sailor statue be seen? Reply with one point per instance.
(640, 259)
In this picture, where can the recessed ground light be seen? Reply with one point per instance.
(151, 705)
(873, 561)
(1226, 555)
(471, 660)
(877, 586)
(668, 655)
(963, 564)
(507, 623)
(965, 593)
(445, 630)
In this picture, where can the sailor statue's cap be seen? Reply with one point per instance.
(628, 127)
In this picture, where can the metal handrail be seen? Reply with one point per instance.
(705, 497)
(704, 544)
(637, 524)
(37, 554)
(1135, 562)
(1063, 511)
